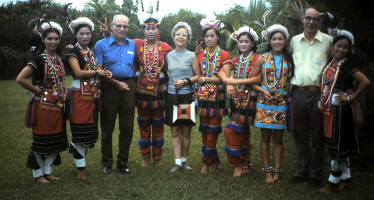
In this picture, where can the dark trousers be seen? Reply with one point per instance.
(115, 102)
(307, 128)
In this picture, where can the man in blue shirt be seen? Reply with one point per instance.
(117, 53)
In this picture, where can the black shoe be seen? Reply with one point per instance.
(124, 170)
(315, 182)
(107, 169)
(297, 179)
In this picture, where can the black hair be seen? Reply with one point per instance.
(254, 48)
(91, 43)
(216, 31)
(151, 20)
(285, 52)
(341, 37)
(45, 34)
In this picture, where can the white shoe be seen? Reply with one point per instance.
(175, 168)
(186, 166)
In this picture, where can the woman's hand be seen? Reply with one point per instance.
(229, 81)
(104, 27)
(267, 95)
(341, 97)
(179, 83)
(230, 91)
(105, 73)
(200, 80)
(198, 47)
(69, 46)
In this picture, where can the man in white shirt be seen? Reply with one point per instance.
(309, 51)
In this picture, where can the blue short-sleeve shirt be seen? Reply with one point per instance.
(118, 58)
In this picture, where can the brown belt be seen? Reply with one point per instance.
(306, 88)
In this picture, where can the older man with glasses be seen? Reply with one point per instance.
(117, 53)
(309, 50)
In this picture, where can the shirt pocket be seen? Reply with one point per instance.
(297, 58)
(319, 60)
(129, 58)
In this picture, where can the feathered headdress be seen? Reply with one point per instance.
(48, 25)
(143, 16)
(334, 29)
(277, 28)
(82, 20)
(246, 29)
(210, 21)
(337, 32)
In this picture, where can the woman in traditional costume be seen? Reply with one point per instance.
(275, 68)
(184, 71)
(83, 96)
(341, 84)
(45, 111)
(238, 88)
(151, 88)
(211, 93)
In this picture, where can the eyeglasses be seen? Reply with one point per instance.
(120, 26)
(308, 18)
(181, 34)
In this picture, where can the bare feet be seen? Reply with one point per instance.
(342, 185)
(327, 189)
(237, 172)
(276, 177)
(157, 163)
(145, 162)
(41, 180)
(51, 178)
(204, 169)
(214, 167)
(247, 170)
(82, 174)
(269, 177)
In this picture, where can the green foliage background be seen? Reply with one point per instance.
(355, 16)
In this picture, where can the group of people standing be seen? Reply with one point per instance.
(282, 87)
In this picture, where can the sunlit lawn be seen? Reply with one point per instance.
(16, 181)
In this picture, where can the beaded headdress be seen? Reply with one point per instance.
(82, 20)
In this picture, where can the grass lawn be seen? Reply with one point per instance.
(16, 181)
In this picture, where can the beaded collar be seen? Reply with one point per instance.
(58, 87)
(328, 81)
(151, 68)
(271, 81)
(210, 68)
